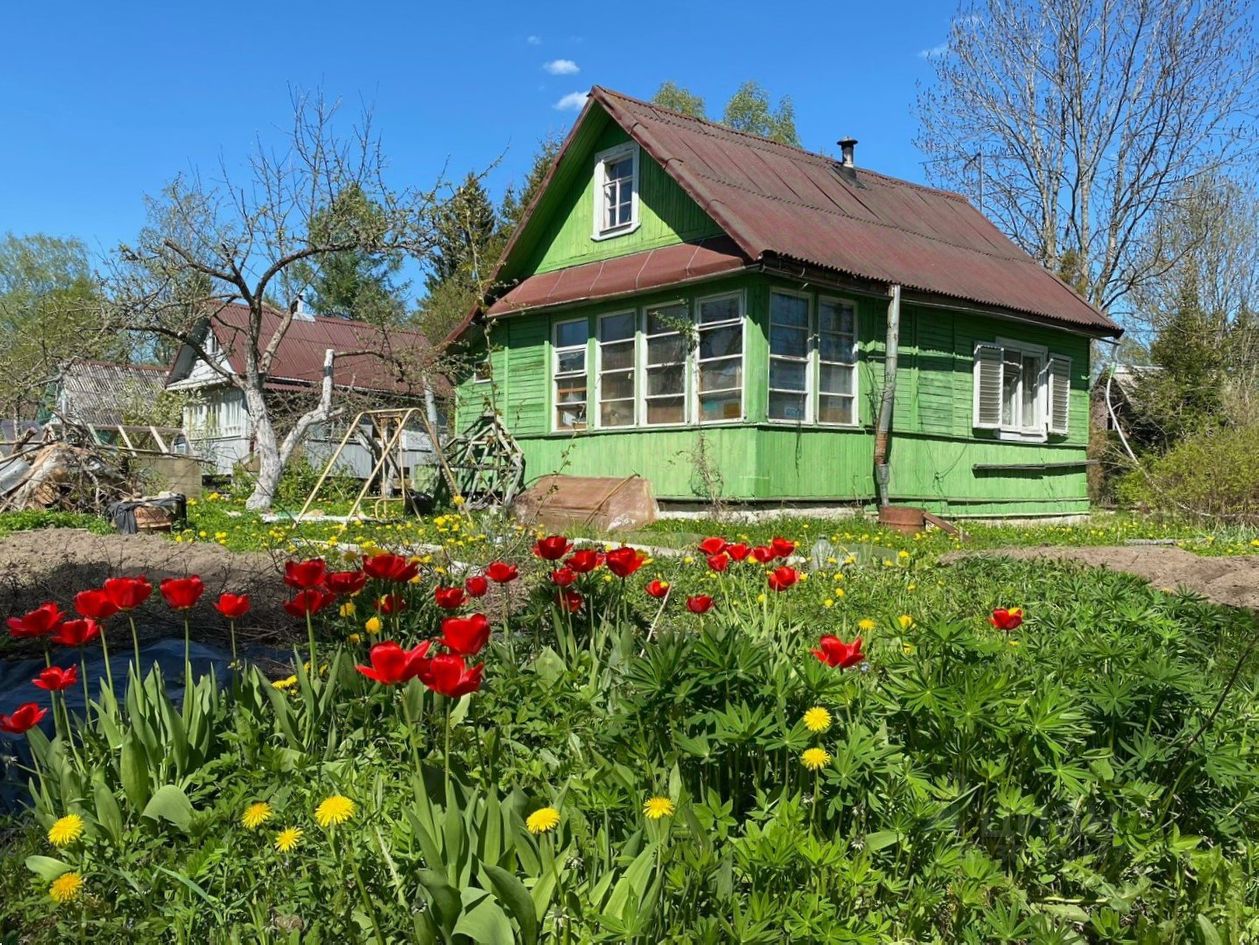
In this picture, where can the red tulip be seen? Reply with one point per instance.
(77, 632)
(563, 577)
(552, 548)
(55, 679)
(391, 664)
(833, 651)
(763, 554)
(739, 552)
(477, 585)
(94, 604)
(391, 604)
(466, 635)
(624, 561)
(309, 601)
(782, 578)
(782, 548)
(712, 546)
(658, 589)
(127, 593)
(699, 604)
(305, 575)
(40, 622)
(182, 593)
(719, 562)
(500, 572)
(25, 717)
(233, 606)
(1007, 619)
(569, 600)
(345, 583)
(389, 567)
(449, 598)
(584, 561)
(450, 676)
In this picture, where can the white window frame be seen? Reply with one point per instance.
(809, 373)
(854, 364)
(1039, 431)
(644, 367)
(556, 351)
(599, 372)
(602, 160)
(742, 321)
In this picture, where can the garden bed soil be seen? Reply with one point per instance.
(56, 563)
(1225, 580)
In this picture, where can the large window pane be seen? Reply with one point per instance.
(617, 385)
(786, 406)
(721, 309)
(568, 334)
(789, 342)
(727, 406)
(789, 310)
(720, 358)
(721, 375)
(720, 342)
(787, 375)
(836, 409)
(836, 379)
(666, 410)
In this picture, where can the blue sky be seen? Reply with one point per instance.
(102, 103)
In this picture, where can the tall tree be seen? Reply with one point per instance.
(673, 96)
(465, 227)
(1071, 122)
(247, 242)
(749, 110)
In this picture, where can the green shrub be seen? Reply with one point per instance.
(1211, 473)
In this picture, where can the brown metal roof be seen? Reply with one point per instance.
(299, 359)
(780, 202)
(652, 269)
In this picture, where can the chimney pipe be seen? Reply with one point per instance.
(846, 148)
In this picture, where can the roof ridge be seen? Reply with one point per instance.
(816, 156)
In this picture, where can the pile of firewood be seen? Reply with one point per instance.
(53, 474)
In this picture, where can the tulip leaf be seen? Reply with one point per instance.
(134, 771)
(460, 710)
(171, 804)
(108, 814)
(446, 902)
(633, 883)
(47, 868)
(512, 892)
(880, 839)
(485, 922)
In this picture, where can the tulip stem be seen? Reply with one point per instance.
(446, 753)
(109, 673)
(135, 640)
(231, 629)
(310, 639)
(187, 657)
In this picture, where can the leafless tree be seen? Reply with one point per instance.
(260, 242)
(1073, 122)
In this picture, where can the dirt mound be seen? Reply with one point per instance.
(1226, 580)
(54, 564)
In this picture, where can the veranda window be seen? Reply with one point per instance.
(788, 357)
(664, 364)
(616, 369)
(720, 358)
(837, 361)
(569, 372)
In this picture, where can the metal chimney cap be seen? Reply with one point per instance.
(846, 148)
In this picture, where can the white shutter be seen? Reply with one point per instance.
(988, 386)
(1059, 394)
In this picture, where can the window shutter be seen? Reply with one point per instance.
(1059, 394)
(988, 373)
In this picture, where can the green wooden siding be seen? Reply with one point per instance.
(934, 450)
(666, 216)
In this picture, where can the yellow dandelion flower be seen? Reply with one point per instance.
(905, 621)
(815, 759)
(348, 609)
(902, 554)
(334, 810)
(66, 887)
(354, 639)
(373, 625)
(288, 839)
(657, 807)
(256, 815)
(542, 820)
(457, 501)
(285, 683)
(66, 830)
(761, 598)
(817, 719)
(828, 603)
(866, 624)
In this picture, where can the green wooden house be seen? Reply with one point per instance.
(710, 309)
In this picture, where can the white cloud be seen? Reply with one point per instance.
(533, 40)
(935, 52)
(573, 101)
(561, 67)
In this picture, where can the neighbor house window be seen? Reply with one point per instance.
(616, 369)
(719, 361)
(837, 361)
(665, 340)
(616, 191)
(788, 357)
(1020, 390)
(569, 372)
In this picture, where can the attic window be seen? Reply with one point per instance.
(616, 191)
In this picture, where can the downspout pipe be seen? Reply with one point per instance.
(883, 431)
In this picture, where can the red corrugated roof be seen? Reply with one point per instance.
(652, 269)
(777, 201)
(299, 359)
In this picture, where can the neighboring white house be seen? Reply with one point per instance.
(217, 422)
